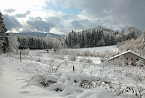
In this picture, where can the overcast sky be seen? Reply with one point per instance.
(62, 16)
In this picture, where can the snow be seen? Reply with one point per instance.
(128, 52)
(33, 78)
(99, 49)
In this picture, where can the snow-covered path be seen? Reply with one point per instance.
(10, 82)
(14, 76)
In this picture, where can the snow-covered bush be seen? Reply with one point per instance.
(104, 62)
(52, 42)
(83, 59)
(38, 54)
(106, 53)
(68, 84)
(133, 44)
(51, 53)
(78, 80)
(93, 54)
(25, 51)
(63, 51)
(59, 56)
(13, 43)
(86, 60)
(86, 53)
(72, 55)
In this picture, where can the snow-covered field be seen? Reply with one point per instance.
(99, 49)
(45, 77)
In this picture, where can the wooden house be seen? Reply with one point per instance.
(128, 56)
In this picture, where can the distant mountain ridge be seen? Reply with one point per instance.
(35, 34)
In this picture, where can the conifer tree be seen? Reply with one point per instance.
(3, 36)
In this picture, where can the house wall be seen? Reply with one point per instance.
(128, 56)
(133, 57)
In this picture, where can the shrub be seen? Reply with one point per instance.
(25, 51)
(86, 53)
(85, 60)
(106, 53)
(82, 59)
(59, 56)
(72, 55)
(38, 54)
(63, 51)
(51, 53)
(89, 61)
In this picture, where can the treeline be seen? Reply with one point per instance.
(95, 38)
(33, 42)
(83, 39)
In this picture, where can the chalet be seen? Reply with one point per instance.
(128, 55)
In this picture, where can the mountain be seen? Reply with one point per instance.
(35, 34)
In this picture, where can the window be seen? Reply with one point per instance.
(137, 59)
(132, 61)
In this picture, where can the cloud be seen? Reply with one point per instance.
(132, 13)
(9, 10)
(23, 15)
(44, 26)
(11, 23)
(125, 12)
(113, 14)
(54, 21)
(77, 25)
(40, 25)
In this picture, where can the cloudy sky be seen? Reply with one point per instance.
(62, 16)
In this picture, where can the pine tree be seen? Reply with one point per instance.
(3, 36)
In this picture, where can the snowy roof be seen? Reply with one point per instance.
(128, 52)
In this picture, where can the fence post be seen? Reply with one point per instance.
(73, 68)
(20, 56)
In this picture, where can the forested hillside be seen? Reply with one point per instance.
(99, 36)
(33, 42)
(93, 37)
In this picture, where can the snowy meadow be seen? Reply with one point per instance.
(75, 73)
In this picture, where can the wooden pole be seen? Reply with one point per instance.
(20, 56)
